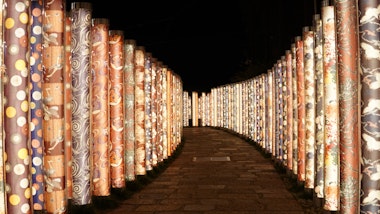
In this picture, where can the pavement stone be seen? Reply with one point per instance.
(218, 172)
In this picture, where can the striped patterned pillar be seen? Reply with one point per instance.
(139, 111)
(36, 108)
(3, 201)
(16, 106)
(289, 109)
(319, 117)
(53, 105)
(100, 107)
(148, 111)
(370, 102)
(80, 71)
(293, 50)
(309, 75)
(116, 108)
(331, 110)
(301, 110)
(348, 75)
(129, 109)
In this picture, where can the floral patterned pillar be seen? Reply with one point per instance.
(148, 111)
(370, 102)
(301, 110)
(331, 109)
(309, 76)
(68, 113)
(154, 113)
(160, 155)
(36, 109)
(16, 106)
(348, 75)
(289, 109)
(165, 115)
(129, 109)
(100, 107)
(319, 117)
(53, 105)
(80, 71)
(295, 108)
(139, 111)
(116, 102)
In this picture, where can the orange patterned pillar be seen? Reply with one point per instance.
(100, 107)
(116, 101)
(139, 112)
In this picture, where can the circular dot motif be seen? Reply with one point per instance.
(9, 23)
(20, 7)
(19, 33)
(24, 106)
(21, 95)
(37, 161)
(24, 183)
(20, 65)
(27, 193)
(10, 112)
(22, 153)
(37, 95)
(19, 169)
(16, 80)
(25, 208)
(23, 18)
(37, 30)
(14, 199)
(21, 121)
(13, 49)
(16, 138)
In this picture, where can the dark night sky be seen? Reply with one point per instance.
(209, 43)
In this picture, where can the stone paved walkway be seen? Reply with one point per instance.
(216, 172)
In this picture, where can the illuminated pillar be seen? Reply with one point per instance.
(36, 109)
(129, 109)
(16, 106)
(80, 71)
(116, 105)
(370, 102)
(331, 109)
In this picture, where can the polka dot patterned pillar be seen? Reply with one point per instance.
(116, 97)
(80, 71)
(2, 69)
(53, 105)
(36, 109)
(148, 111)
(16, 106)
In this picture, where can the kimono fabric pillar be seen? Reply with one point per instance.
(139, 111)
(153, 108)
(80, 74)
(2, 70)
(100, 107)
(301, 111)
(36, 109)
(159, 137)
(289, 109)
(295, 109)
(164, 115)
(331, 109)
(116, 97)
(68, 113)
(148, 111)
(370, 102)
(16, 106)
(53, 106)
(169, 85)
(348, 80)
(309, 73)
(319, 117)
(129, 109)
